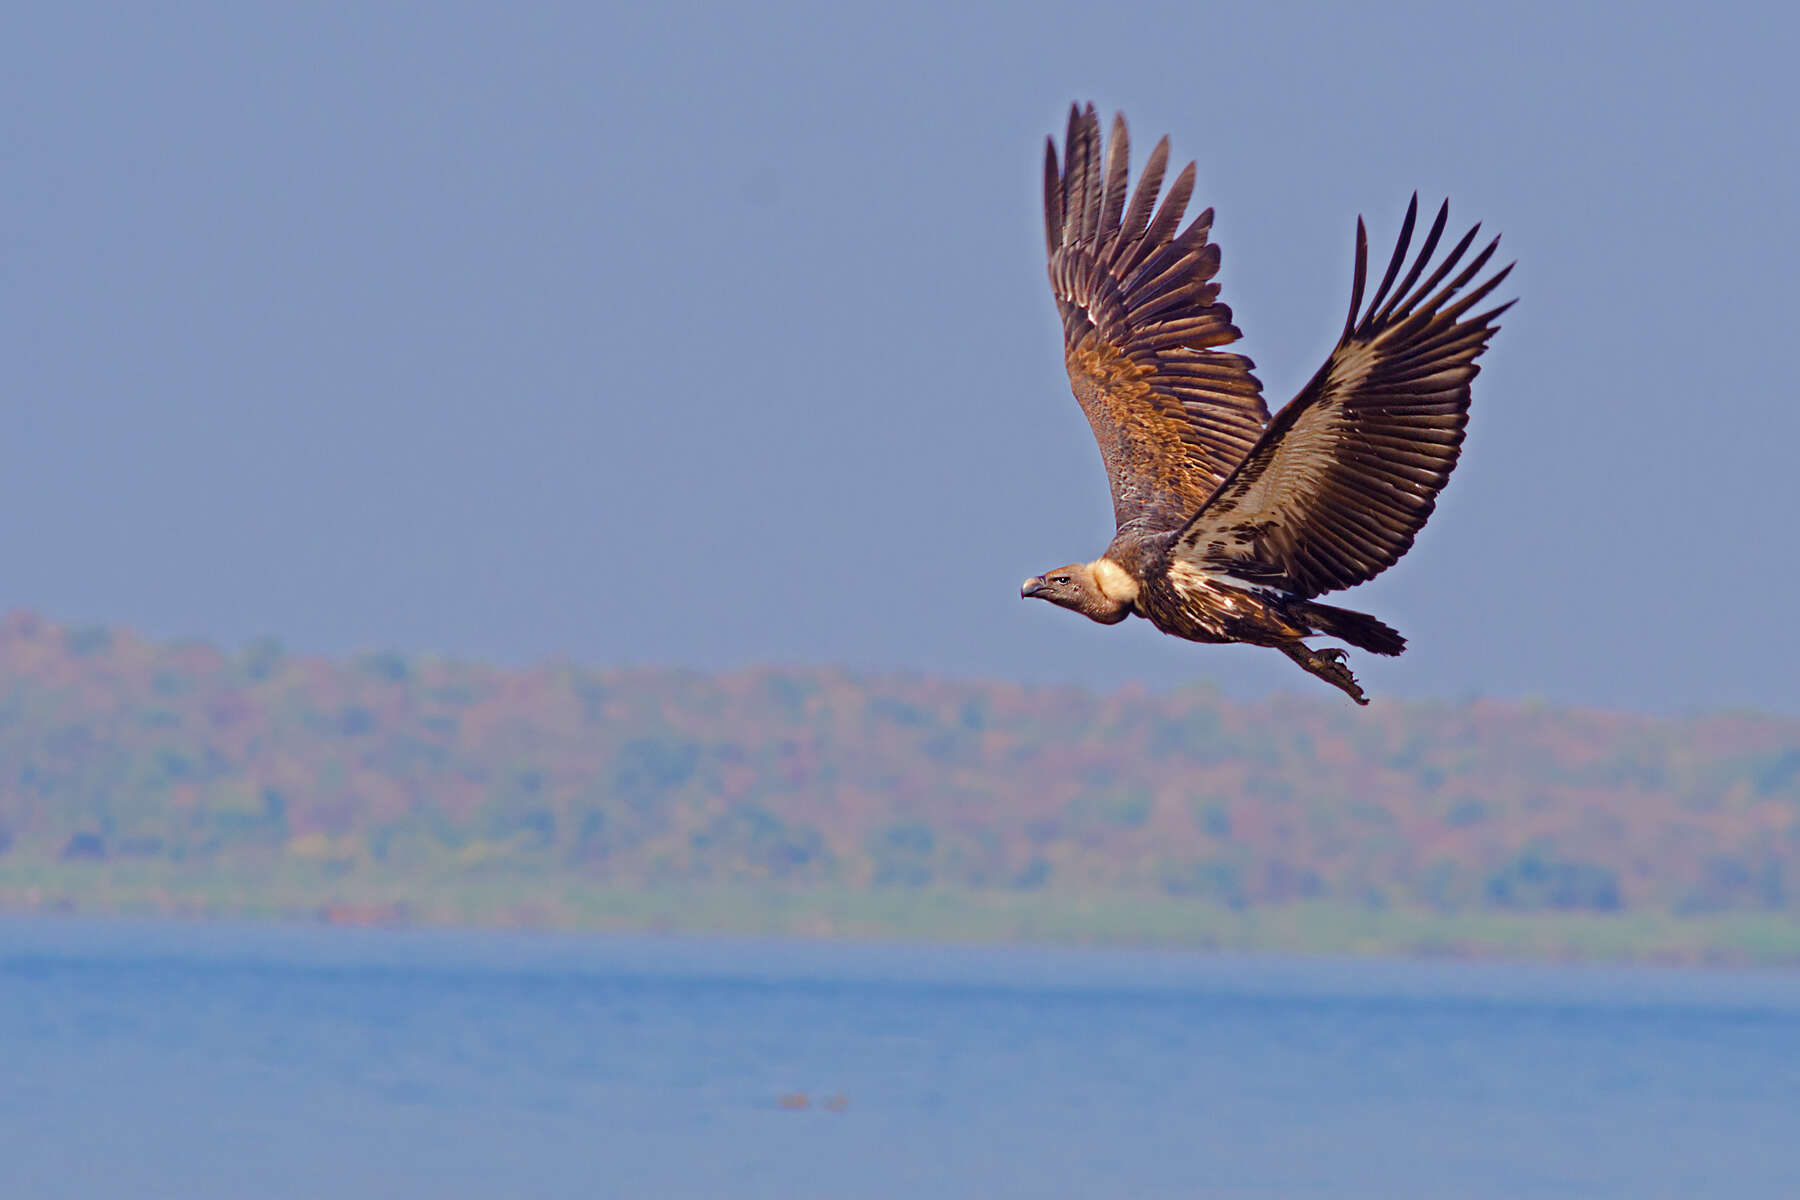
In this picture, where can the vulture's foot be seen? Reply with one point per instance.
(1327, 664)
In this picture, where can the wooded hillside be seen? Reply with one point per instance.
(116, 749)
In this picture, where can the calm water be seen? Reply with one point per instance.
(232, 1061)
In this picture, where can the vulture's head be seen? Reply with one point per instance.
(1078, 587)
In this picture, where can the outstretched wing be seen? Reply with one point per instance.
(1347, 474)
(1141, 326)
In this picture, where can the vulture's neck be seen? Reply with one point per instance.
(1115, 583)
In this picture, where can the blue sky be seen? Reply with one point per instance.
(677, 334)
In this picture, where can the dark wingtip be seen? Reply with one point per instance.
(1401, 244)
(1362, 269)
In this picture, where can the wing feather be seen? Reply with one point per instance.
(1344, 478)
(1118, 178)
(1143, 200)
(1142, 323)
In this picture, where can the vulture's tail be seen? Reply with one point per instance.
(1359, 629)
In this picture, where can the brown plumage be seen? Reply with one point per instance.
(1229, 523)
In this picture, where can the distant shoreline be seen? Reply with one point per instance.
(1110, 919)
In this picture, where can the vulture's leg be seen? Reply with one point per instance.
(1327, 665)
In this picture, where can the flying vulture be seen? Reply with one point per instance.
(1230, 523)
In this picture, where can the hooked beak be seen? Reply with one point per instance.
(1031, 587)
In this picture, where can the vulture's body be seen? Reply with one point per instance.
(1229, 524)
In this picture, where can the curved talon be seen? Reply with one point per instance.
(1327, 664)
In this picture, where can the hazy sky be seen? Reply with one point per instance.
(713, 336)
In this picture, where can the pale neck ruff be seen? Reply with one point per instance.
(1114, 581)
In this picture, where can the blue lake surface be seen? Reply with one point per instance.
(237, 1061)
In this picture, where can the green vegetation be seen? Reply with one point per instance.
(137, 777)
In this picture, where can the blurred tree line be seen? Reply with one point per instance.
(113, 747)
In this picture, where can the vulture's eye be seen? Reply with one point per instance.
(1060, 579)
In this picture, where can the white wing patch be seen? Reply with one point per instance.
(1208, 588)
(1308, 442)
(1297, 464)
